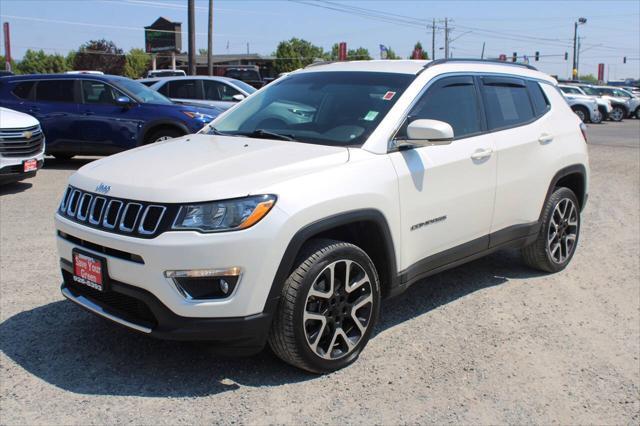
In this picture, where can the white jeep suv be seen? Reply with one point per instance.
(292, 215)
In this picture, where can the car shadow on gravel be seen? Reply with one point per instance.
(71, 164)
(78, 352)
(14, 187)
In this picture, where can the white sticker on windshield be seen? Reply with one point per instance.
(371, 115)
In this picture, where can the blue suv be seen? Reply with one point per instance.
(99, 114)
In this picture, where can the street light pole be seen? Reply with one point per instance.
(574, 70)
(191, 18)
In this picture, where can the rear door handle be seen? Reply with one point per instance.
(482, 154)
(544, 138)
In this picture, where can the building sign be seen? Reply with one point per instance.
(163, 36)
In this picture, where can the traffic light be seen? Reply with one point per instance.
(537, 56)
(624, 60)
(515, 57)
(566, 56)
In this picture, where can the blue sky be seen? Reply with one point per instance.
(612, 30)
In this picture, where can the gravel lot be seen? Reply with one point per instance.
(488, 342)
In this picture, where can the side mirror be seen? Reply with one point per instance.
(427, 133)
(124, 101)
(238, 97)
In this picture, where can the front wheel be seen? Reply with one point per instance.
(582, 113)
(162, 134)
(558, 236)
(328, 307)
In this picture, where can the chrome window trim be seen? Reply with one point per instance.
(123, 228)
(105, 223)
(141, 229)
(81, 203)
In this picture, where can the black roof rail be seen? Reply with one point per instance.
(475, 60)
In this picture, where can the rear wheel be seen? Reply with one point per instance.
(558, 236)
(581, 112)
(328, 307)
(617, 113)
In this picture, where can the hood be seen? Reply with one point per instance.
(204, 167)
(10, 119)
(584, 98)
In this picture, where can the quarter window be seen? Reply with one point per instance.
(24, 89)
(538, 98)
(506, 101)
(55, 91)
(453, 100)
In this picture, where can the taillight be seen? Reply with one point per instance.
(583, 129)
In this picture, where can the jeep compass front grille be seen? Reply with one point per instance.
(21, 142)
(120, 216)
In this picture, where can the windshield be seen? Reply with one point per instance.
(572, 90)
(140, 92)
(243, 74)
(326, 108)
(242, 85)
(590, 91)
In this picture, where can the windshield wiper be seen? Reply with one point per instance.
(261, 133)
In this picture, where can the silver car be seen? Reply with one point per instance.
(220, 92)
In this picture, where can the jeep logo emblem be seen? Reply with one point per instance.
(103, 189)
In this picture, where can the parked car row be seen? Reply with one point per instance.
(98, 114)
(596, 103)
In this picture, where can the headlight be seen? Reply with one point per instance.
(227, 215)
(205, 118)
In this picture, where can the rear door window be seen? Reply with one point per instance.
(506, 101)
(183, 89)
(55, 91)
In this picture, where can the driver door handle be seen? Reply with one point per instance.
(545, 138)
(482, 154)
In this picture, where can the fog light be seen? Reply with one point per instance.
(205, 284)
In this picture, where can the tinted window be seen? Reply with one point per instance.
(216, 91)
(184, 89)
(572, 90)
(55, 91)
(452, 100)
(243, 74)
(538, 98)
(139, 92)
(24, 89)
(506, 101)
(97, 92)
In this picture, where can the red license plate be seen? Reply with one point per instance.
(30, 165)
(88, 271)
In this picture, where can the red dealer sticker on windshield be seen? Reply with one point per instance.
(388, 96)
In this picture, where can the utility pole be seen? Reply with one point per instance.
(578, 58)
(210, 41)
(574, 70)
(192, 36)
(446, 38)
(433, 40)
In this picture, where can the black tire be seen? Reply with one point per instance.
(289, 337)
(539, 254)
(603, 112)
(162, 133)
(638, 113)
(581, 112)
(617, 113)
(63, 157)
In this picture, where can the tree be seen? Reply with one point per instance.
(391, 54)
(588, 78)
(203, 52)
(359, 54)
(70, 59)
(296, 53)
(100, 55)
(38, 62)
(418, 46)
(137, 63)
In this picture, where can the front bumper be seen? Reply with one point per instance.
(12, 169)
(141, 311)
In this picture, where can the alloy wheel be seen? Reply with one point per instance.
(580, 115)
(617, 114)
(163, 138)
(338, 309)
(563, 231)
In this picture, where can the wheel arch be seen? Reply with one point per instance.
(157, 124)
(366, 228)
(573, 177)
